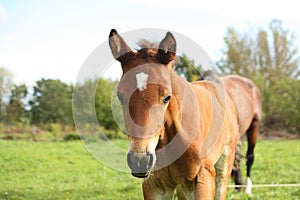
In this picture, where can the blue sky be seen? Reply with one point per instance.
(52, 39)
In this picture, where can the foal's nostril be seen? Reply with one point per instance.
(140, 163)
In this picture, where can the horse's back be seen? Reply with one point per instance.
(210, 75)
(246, 97)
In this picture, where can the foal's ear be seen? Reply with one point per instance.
(118, 46)
(167, 49)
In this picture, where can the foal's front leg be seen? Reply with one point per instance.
(205, 186)
(223, 171)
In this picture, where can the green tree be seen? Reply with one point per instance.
(15, 110)
(283, 105)
(186, 67)
(5, 87)
(286, 58)
(93, 103)
(272, 52)
(103, 104)
(270, 58)
(83, 109)
(238, 54)
(51, 102)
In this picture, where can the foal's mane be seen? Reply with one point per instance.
(149, 49)
(146, 44)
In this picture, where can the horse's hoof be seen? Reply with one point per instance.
(248, 189)
(237, 190)
(248, 192)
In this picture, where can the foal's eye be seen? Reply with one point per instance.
(167, 99)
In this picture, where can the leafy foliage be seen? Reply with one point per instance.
(5, 87)
(271, 52)
(283, 105)
(272, 61)
(103, 104)
(186, 67)
(85, 107)
(15, 110)
(82, 108)
(51, 102)
(269, 57)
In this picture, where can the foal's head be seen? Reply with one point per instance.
(144, 91)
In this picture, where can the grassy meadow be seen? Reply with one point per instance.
(65, 170)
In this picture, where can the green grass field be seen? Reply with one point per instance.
(65, 170)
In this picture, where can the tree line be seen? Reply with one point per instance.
(268, 56)
(48, 104)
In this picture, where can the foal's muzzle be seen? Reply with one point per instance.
(140, 163)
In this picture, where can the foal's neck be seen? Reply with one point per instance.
(182, 115)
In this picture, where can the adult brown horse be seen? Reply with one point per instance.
(247, 99)
(182, 135)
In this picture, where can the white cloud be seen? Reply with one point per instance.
(3, 14)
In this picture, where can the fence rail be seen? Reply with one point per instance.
(266, 185)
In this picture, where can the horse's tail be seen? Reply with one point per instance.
(238, 155)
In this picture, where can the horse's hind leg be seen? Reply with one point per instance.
(237, 177)
(236, 170)
(252, 133)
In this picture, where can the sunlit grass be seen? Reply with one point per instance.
(276, 162)
(65, 170)
(60, 171)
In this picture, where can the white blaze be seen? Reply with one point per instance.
(141, 81)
